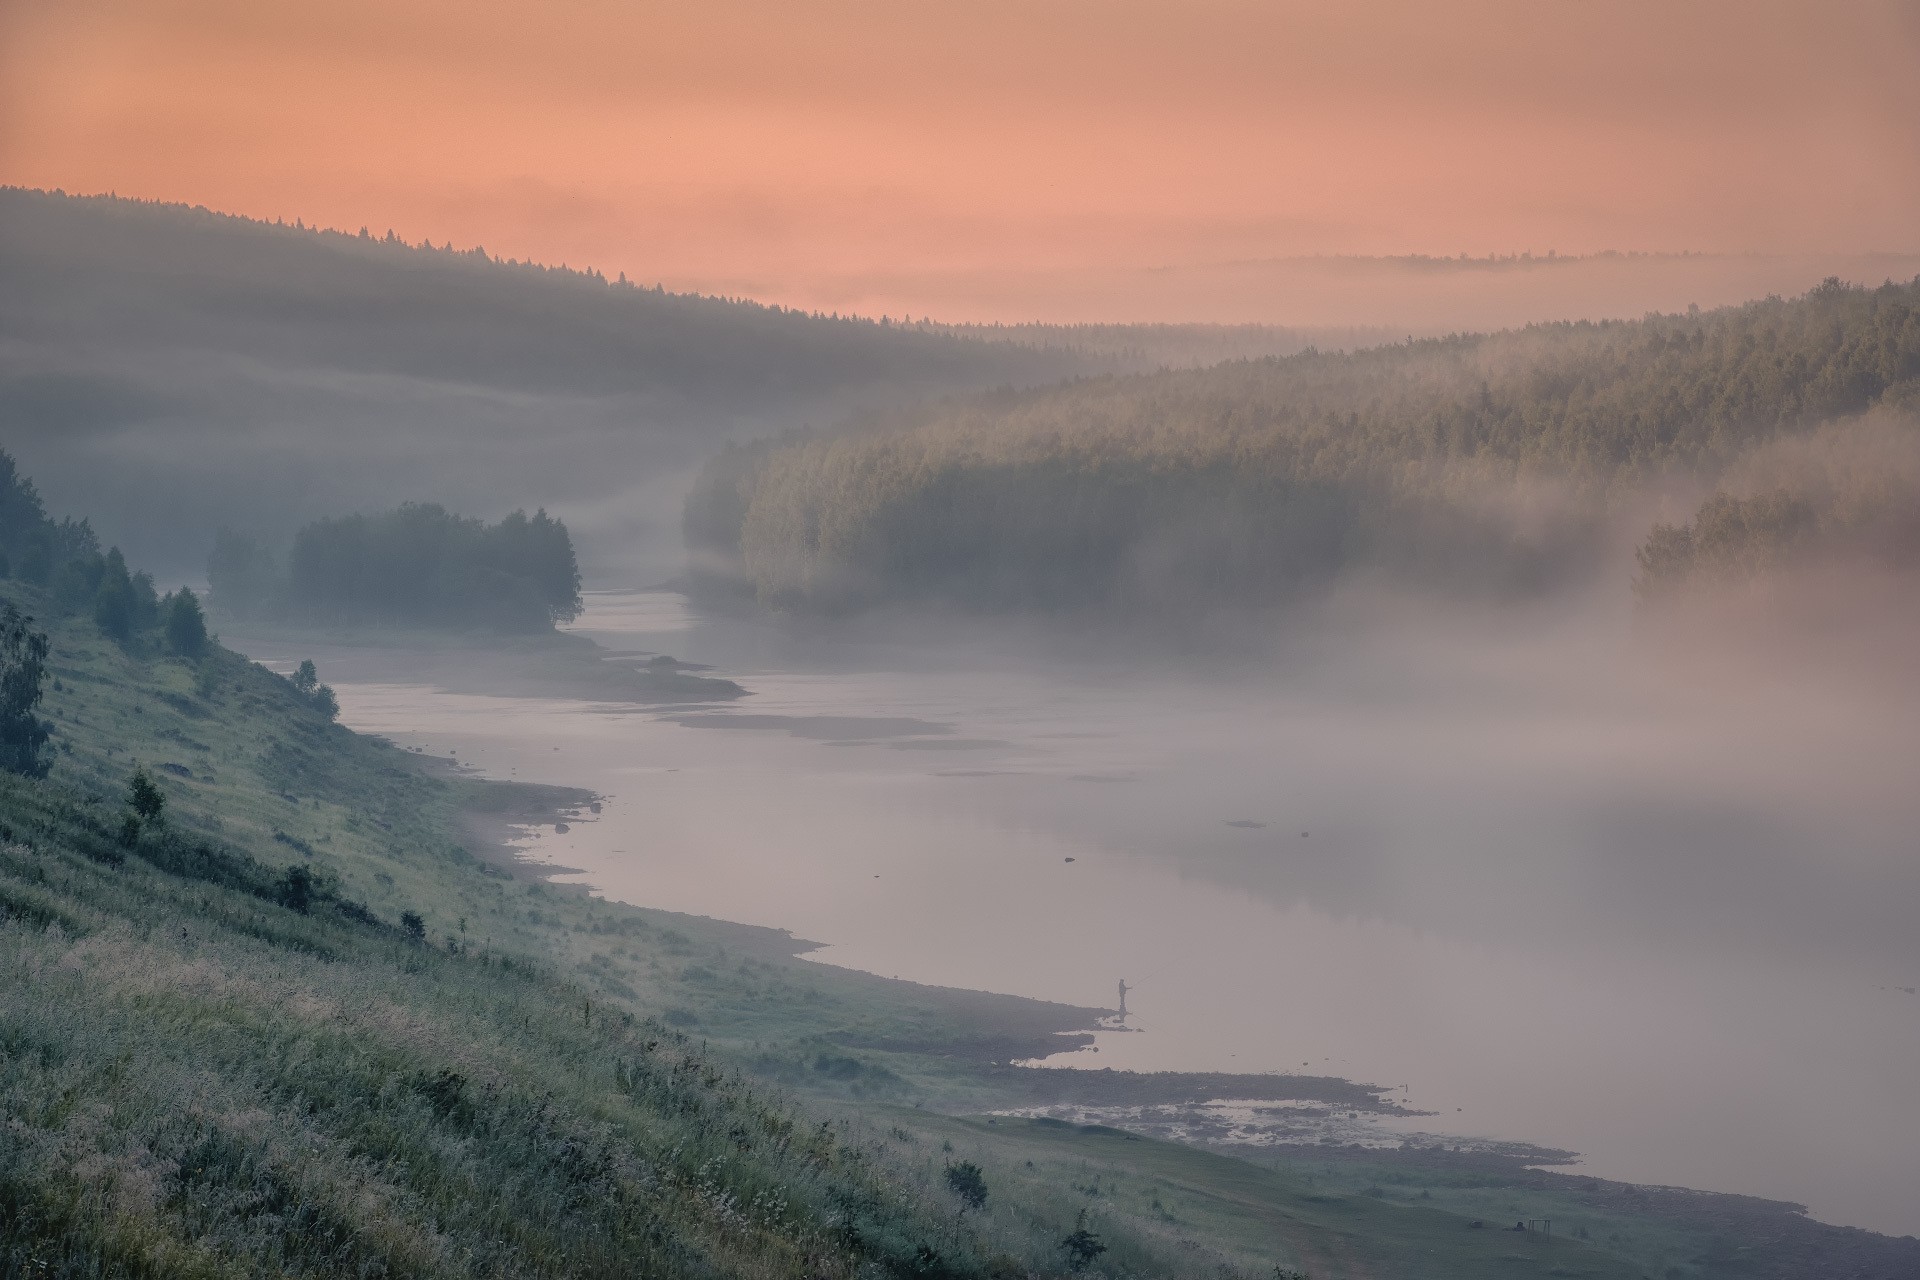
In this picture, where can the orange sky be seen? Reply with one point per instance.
(898, 153)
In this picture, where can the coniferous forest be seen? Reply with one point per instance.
(65, 560)
(1487, 464)
(418, 565)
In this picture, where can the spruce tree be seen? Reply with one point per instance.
(186, 624)
(144, 797)
(23, 665)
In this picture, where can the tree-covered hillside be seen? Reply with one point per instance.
(1846, 495)
(1484, 463)
(66, 561)
(173, 370)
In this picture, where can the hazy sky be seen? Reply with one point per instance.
(898, 151)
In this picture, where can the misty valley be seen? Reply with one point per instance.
(509, 772)
(1563, 911)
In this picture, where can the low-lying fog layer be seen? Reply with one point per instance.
(1560, 896)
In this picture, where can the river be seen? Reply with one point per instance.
(1547, 903)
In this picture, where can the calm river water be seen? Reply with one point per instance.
(1674, 933)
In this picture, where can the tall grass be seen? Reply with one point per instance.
(199, 1081)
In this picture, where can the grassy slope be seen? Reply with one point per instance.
(1257, 1217)
(549, 664)
(199, 1086)
(219, 1084)
(201, 1081)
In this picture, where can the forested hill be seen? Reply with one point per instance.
(188, 278)
(173, 370)
(1479, 462)
(1144, 348)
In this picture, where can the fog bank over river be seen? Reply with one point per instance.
(1561, 897)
